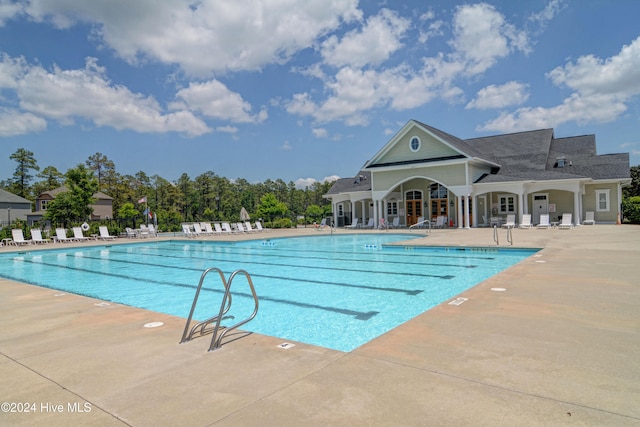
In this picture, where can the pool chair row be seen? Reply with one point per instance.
(145, 231)
(545, 223)
(197, 229)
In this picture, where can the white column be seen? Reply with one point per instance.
(474, 215)
(520, 207)
(576, 207)
(466, 211)
(376, 204)
(460, 224)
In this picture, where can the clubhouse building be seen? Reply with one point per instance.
(423, 173)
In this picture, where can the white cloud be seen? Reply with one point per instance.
(214, 99)
(602, 90)
(373, 44)
(482, 36)
(65, 95)
(619, 75)
(13, 123)
(302, 183)
(320, 132)
(548, 13)
(8, 10)
(286, 146)
(227, 129)
(494, 96)
(203, 37)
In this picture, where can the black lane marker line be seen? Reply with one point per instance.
(252, 251)
(360, 315)
(192, 256)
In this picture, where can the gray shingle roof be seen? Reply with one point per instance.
(7, 197)
(524, 156)
(361, 182)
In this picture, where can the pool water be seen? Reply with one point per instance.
(334, 291)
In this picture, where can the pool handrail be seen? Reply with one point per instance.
(426, 221)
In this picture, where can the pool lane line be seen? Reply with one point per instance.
(360, 315)
(266, 276)
(352, 270)
(410, 292)
(191, 256)
(301, 254)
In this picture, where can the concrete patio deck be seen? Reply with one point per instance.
(559, 346)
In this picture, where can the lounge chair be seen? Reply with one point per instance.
(226, 228)
(239, 227)
(218, 229)
(526, 221)
(131, 233)
(566, 221)
(511, 221)
(78, 235)
(144, 231)
(61, 236)
(441, 222)
(197, 230)
(152, 230)
(588, 220)
(186, 230)
(354, 225)
(260, 229)
(18, 237)
(544, 222)
(209, 230)
(104, 233)
(248, 227)
(36, 236)
(396, 222)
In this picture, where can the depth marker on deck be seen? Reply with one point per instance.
(458, 301)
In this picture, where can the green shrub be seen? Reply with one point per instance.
(281, 223)
(631, 209)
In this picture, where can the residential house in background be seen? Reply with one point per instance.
(423, 173)
(102, 207)
(13, 207)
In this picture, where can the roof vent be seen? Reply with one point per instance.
(359, 178)
(561, 162)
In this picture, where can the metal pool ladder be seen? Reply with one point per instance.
(201, 327)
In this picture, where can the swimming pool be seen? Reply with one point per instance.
(334, 291)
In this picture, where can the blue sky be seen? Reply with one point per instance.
(303, 90)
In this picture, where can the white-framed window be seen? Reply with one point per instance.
(340, 210)
(392, 208)
(602, 200)
(43, 205)
(507, 203)
(414, 144)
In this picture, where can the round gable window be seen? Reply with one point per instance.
(414, 144)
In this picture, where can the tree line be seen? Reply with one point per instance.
(207, 197)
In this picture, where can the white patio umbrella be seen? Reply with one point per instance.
(244, 215)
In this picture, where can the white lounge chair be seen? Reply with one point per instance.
(152, 230)
(566, 221)
(544, 222)
(186, 230)
(441, 221)
(248, 227)
(226, 228)
(239, 227)
(511, 221)
(260, 229)
(197, 230)
(370, 223)
(526, 221)
(354, 225)
(218, 229)
(61, 236)
(104, 233)
(78, 235)
(589, 219)
(396, 222)
(18, 237)
(208, 229)
(36, 236)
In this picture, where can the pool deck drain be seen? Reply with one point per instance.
(561, 347)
